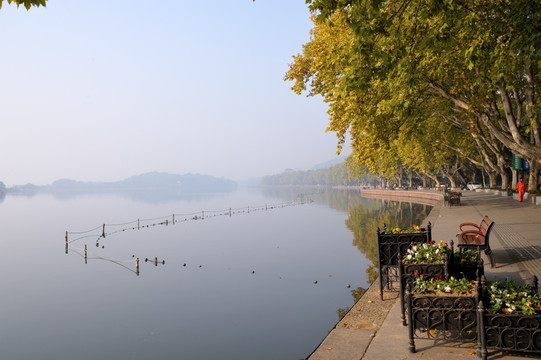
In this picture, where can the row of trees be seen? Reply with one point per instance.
(428, 86)
(338, 174)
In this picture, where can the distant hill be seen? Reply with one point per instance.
(188, 183)
(329, 164)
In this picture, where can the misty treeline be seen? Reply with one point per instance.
(337, 175)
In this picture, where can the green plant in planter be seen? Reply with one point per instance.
(397, 230)
(466, 257)
(508, 298)
(427, 253)
(438, 284)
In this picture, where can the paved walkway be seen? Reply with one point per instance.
(516, 243)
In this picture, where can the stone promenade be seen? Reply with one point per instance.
(372, 329)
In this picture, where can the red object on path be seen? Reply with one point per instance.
(521, 186)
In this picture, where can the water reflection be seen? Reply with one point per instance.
(340, 200)
(364, 220)
(148, 195)
(220, 269)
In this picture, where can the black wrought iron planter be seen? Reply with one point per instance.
(470, 272)
(442, 318)
(391, 249)
(509, 331)
(408, 272)
(468, 264)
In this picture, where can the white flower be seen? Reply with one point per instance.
(409, 257)
(448, 289)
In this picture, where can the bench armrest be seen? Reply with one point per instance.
(469, 224)
(472, 232)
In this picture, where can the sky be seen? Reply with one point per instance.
(103, 90)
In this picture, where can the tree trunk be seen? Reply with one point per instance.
(493, 178)
(514, 178)
(534, 175)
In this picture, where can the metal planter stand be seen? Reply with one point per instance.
(470, 272)
(429, 271)
(447, 318)
(391, 250)
(509, 332)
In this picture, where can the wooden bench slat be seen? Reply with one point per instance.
(478, 239)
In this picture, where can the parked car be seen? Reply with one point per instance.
(473, 185)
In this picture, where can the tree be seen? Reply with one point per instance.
(27, 3)
(482, 57)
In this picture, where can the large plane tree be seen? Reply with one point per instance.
(478, 60)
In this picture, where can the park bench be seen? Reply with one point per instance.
(477, 237)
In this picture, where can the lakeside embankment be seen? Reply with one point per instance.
(358, 327)
(433, 198)
(372, 328)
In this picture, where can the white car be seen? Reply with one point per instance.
(473, 185)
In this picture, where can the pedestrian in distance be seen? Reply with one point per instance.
(521, 187)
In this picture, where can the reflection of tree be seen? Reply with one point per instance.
(340, 200)
(363, 221)
(357, 294)
(365, 215)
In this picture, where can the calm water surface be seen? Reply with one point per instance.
(232, 287)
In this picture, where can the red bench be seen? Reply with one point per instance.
(477, 237)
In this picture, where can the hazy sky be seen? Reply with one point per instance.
(100, 90)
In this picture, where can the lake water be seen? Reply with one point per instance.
(266, 282)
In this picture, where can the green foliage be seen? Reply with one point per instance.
(508, 298)
(27, 3)
(466, 257)
(423, 84)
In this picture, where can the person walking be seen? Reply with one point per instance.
(521, 187)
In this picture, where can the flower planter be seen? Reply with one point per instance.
(447, 318)
(408, 272)
(468, 264)
(470, 271)
(391, 248)
(509, 332)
